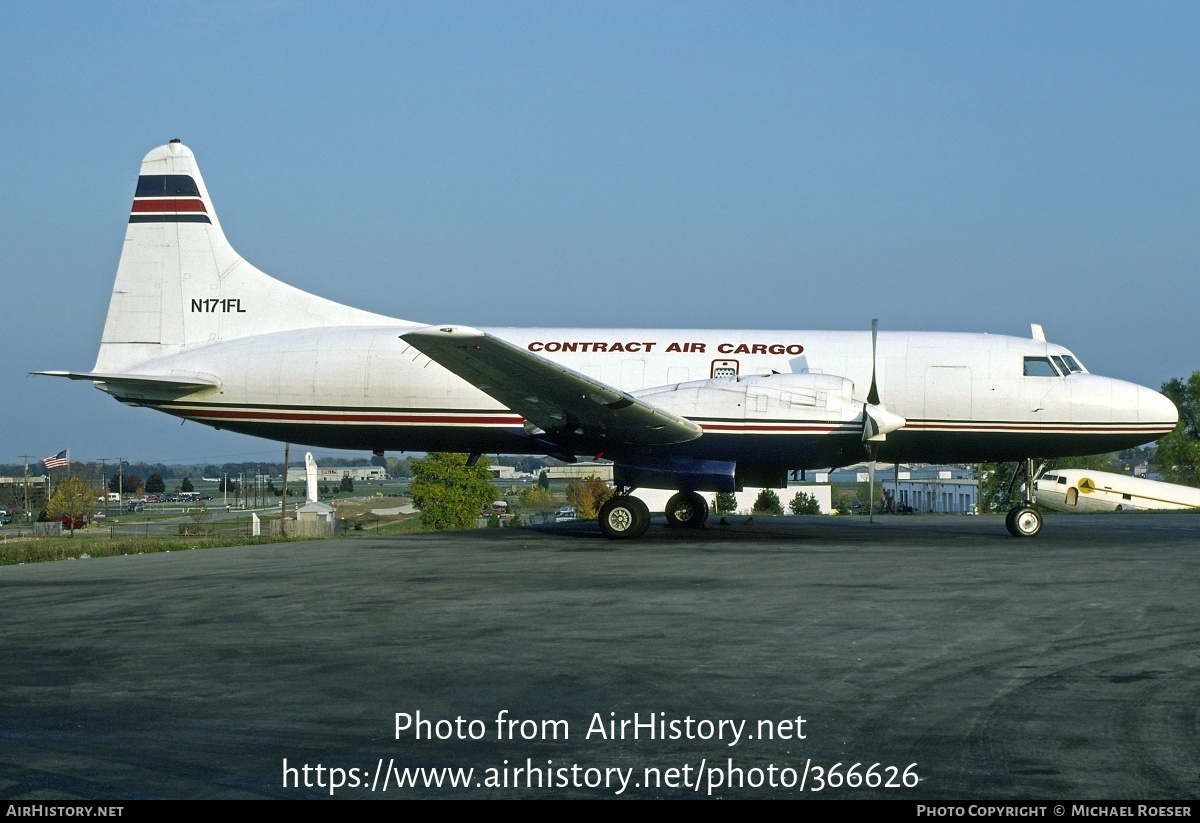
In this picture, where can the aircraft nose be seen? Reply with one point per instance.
(1156, 408)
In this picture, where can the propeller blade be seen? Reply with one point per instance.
(873, 394)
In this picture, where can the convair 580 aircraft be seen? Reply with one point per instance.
(195, 331)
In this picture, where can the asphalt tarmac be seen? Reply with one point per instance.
(947, 659)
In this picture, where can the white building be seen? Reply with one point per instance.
(934, 491)
(334, 476)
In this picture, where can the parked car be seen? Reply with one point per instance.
(565, 513)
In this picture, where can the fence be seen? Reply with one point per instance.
(309, 529)
(239, 526)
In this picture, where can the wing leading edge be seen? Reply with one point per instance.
(559, 401)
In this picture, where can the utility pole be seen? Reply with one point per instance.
(120, 484)
(28, 513)
(287, 454)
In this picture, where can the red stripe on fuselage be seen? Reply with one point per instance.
(192, 204)
(1085, 428)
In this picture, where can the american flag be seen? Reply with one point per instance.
(56, 461)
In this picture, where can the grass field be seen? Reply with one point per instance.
(84, 545)
(169, 529)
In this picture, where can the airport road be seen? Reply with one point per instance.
(1065, 667)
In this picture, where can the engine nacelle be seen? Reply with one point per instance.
(800, 396)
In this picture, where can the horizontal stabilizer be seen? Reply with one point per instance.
(144, 381)
(550, 396)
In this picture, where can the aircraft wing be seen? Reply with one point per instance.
(554, 398)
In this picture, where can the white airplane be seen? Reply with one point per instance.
(195, 331)
(1082, 490)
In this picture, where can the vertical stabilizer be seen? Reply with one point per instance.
(180, 284)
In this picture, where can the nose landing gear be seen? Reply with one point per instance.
(1025, 521)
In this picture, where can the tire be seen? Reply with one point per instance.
(624, 518)
(1024, 522)
(687, 510)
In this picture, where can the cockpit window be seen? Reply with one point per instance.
(1073, 364)
(1062, 365)
(1039, 367)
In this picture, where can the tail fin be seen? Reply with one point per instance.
(180, 284)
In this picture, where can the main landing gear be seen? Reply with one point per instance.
(1024, 521)
(687, 510)
(625, 517)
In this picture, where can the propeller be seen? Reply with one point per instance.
(877, 421)
(872, 442)
(873, 394)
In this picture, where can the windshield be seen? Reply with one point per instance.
(1073, 364)
(1039, 367)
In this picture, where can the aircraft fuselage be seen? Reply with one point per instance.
(965, 397)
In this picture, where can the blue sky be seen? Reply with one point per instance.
(940, 166)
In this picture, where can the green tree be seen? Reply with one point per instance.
(1178, 453)
(449, 494)
(397, 467)
(347, 483)
(767, 502)
(186, 485)
(126, 483)
(725, 503)
(804, 503)
(155, 484)
(71, 500)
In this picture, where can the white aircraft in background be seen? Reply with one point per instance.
(195, 331)
(1081, 490)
